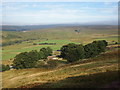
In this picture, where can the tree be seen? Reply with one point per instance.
(46, 52)
(29, 59)
(78, 31)
(49, 50)
(116, 42)
(91, 50)
(34, 55)
(101, 45)
(80, 51)
(34, 43)
(4, 67)
(41, 55)
(72, 52)
(95, 48)
(25, 60)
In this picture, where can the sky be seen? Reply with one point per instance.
(41, 13)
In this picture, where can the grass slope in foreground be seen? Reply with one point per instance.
(100, 71)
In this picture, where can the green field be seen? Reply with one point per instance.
(58, 42)
(60, 36)
(9, 52)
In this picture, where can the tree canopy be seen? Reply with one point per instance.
(29, 59)
(78, 31)
(73, 52)
(4, 67)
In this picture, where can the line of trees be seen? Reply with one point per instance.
(29, 59)
(11, 42)
(73, 52)
(14, 42)
(44, 44)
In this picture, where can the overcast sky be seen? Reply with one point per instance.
(29, 13)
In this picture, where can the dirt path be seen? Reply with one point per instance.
(47, 72)
(41, 73)
(31, 76)
(82, 64)
(58, 69)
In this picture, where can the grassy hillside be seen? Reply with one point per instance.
(60, 36)
(62, 33)
(95, 72)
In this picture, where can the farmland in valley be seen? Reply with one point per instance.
(60, 36)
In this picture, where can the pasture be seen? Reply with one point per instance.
(60, 36)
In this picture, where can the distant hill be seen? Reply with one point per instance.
(31, 27)
(24, 28)
(36, 27)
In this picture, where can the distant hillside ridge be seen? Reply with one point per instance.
(36, 27)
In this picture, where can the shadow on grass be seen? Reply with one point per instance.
(53, 64)
(108, 79)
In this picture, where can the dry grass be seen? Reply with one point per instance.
(61, 79)
(103, 63)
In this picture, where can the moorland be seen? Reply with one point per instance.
(102, 69)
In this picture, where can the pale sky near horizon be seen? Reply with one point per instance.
(29, 13)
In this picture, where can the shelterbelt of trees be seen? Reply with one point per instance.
(71, 52)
